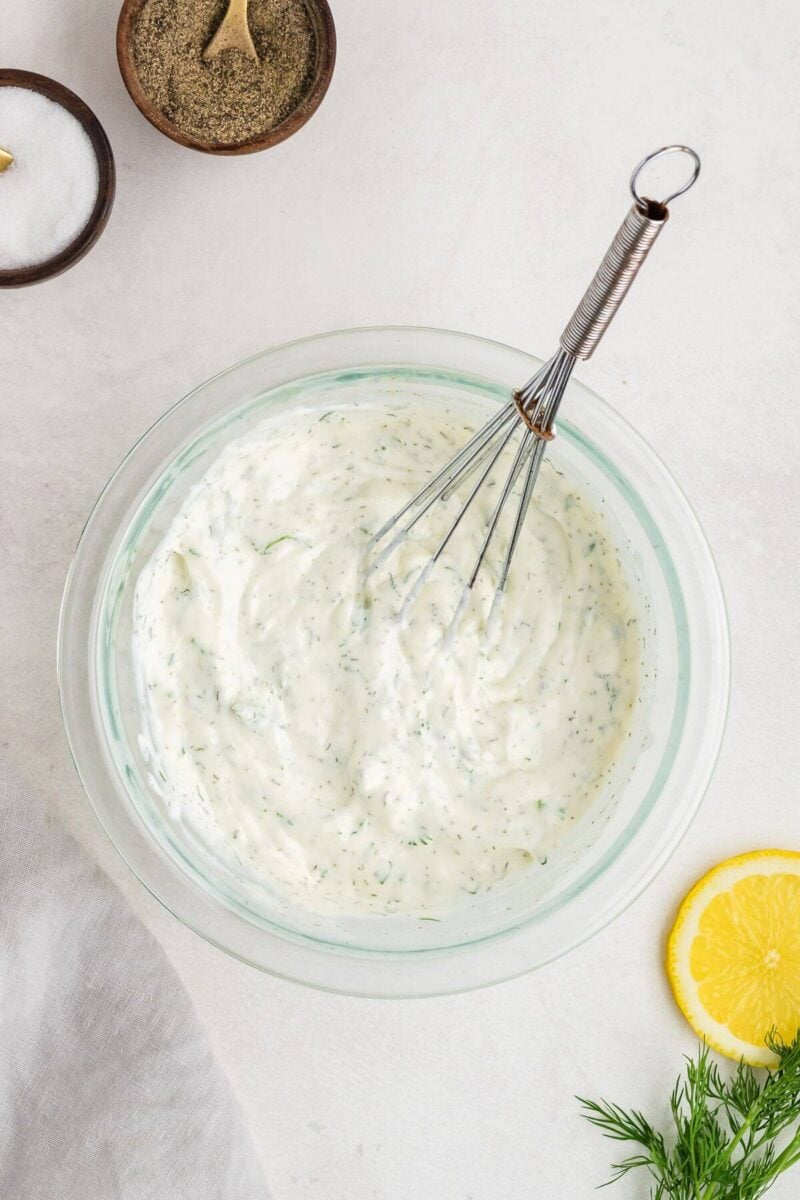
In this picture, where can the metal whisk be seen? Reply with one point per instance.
(533, 408)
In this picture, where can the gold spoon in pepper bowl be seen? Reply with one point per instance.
(233, 33)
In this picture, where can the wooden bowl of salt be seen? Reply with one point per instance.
(57, 178)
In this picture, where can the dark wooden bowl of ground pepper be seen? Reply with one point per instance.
(230, 105)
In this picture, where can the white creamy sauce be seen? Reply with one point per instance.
(342, 752)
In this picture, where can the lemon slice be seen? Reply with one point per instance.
(733, 956)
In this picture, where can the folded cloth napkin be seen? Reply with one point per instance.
(108, 1088)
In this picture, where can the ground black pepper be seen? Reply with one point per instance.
(231, 98)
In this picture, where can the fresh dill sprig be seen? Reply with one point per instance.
(731, 1138)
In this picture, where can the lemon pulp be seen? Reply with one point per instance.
(733, 956)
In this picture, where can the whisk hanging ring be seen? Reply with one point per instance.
(637, 170)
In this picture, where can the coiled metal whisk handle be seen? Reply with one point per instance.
(623, 261)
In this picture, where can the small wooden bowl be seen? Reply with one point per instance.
(66, 258)
(325, 34)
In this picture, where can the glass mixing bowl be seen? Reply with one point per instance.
(608, 857)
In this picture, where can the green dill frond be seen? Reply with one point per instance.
(730, 1138)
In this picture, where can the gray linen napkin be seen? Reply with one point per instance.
(108, 1088)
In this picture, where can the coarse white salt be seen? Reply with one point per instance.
(48, 193)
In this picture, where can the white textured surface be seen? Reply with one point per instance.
(466, 170)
